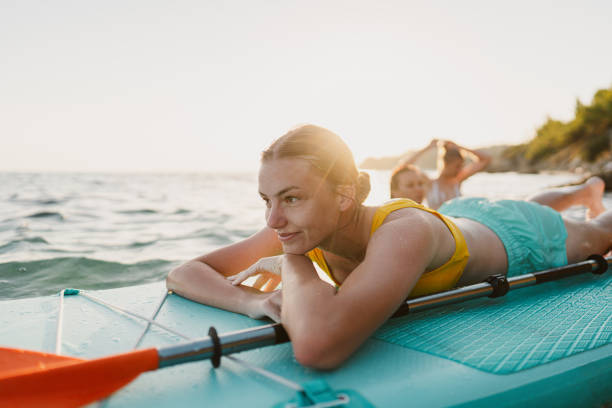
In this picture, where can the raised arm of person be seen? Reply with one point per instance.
(326, 326)
(204, 279)
(479, 161)
(415, 156)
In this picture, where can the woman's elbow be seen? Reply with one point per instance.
(172, 278)
(318, 352)
(177, 277)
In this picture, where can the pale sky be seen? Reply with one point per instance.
(119, 85)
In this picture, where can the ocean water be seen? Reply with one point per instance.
(95, 231)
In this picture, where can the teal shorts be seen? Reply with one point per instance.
(534, 235)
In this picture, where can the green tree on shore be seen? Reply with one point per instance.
(587, 135)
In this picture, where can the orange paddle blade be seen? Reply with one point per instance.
(13, 361)
(48, 380)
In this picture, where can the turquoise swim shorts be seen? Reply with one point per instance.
(534, 235)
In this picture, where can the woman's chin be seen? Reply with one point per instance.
(290, 250)
(295, 248)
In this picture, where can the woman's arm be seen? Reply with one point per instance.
(415, 156)
(480, 161)
(326, 326)
(204, 279)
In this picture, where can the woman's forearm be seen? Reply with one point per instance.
(476, 155)
(311, 316)
(306, 297)
(415, 156)
(199, 282)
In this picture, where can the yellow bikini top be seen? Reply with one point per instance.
(438, 280)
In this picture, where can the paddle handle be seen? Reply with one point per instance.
(212, 347)
(595, 263)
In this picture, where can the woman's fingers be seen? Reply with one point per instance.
(273, 281)
(241, 276)
(261, 280)
(269, 267)
(265, 282)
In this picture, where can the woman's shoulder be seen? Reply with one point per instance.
(406, 234)
(395, 204)
(410, 219)
(401, 207)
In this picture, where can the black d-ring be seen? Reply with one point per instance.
(602, 264)
(500, 285)
(215, 359)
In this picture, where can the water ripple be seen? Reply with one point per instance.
(46, 214)
(16, 242)
(49, 276)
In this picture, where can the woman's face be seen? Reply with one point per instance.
(410, 185)
(301, 207)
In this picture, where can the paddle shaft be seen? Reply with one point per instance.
(228, 343)
(213, 347)
(487, 289)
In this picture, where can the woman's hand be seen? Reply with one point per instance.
(268, 269)
(448, 144)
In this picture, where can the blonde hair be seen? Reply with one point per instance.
(326, 152)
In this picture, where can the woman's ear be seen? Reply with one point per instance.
(345, 196)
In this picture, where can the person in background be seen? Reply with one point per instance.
(377, 256)
(588, 194)
(452, 169)
(408, 181)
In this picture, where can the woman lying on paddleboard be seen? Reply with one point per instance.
(409, 181)
(377, 256)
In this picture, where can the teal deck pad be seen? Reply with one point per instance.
(526, 328)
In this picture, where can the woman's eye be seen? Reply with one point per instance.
(291, 200)
(267, 202)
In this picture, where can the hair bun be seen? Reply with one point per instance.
(363, 187)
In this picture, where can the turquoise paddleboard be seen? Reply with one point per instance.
(546, 345)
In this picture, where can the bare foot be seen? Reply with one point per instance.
(595, 186)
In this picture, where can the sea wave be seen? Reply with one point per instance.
(49, 276)
(138, 211)
(46, 214)
(16, 242)
(139, 244)
(50, 201)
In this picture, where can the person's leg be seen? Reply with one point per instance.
(588, 194)
(586, 238)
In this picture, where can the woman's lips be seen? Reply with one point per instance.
(286, 236)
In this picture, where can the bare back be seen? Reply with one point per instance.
(487, 253)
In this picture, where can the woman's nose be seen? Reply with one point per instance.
(275, 218)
